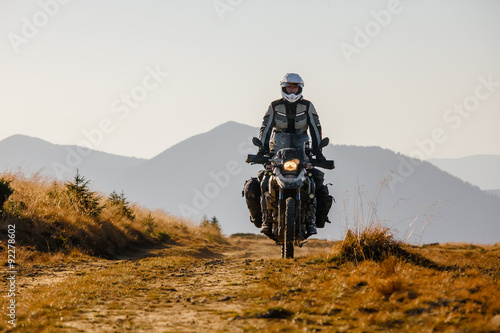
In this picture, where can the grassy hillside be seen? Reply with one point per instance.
(52, 216)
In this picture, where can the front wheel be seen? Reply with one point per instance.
(287, 247)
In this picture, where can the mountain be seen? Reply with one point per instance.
(201, 175)
(61, 161)
(480, 170)
(495, 192)
(205, 175)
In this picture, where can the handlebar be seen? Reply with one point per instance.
(256, 159)
(259, 159)
(325, 164)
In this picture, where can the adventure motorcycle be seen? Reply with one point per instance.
(288, 190)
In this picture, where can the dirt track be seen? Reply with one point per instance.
(201, 295)
(244, 287)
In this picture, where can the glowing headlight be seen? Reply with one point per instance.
(291, 165)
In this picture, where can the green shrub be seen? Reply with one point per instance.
(15, 207)
(121, 202)
(163, 236)
(213, 223)
(5, 192)
(150, 224)
(82, 198)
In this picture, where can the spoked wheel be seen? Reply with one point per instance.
(287, 247)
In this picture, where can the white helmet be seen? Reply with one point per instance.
(291, 79)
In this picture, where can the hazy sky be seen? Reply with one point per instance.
(139, 76)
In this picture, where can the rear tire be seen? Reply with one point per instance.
(287, 247)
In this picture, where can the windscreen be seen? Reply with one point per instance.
(289, 140)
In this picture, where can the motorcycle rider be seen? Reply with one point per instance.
(290, 114)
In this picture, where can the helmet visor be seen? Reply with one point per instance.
(286, 84)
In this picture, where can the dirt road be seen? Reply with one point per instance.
(245, 286)
(175, 289)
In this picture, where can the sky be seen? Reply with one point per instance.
(134, 78)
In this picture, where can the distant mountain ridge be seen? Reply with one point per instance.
(495, 192)
(480, 170)
(61, 161)
(205, 175)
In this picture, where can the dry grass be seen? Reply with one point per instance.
(393, 294)
(374, 242)
(47, 221)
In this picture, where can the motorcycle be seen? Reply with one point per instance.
(287, 188)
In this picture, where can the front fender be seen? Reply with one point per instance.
(290, 183)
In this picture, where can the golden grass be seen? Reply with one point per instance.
(47, 221)
(375, 242)
(393, 294)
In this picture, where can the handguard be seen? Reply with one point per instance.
(325, 164)
(256, 159)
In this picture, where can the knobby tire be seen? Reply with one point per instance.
(287, 247)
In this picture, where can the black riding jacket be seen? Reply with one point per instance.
(286, 117)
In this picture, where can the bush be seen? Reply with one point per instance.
(212, 230)
(119, 200)
(163, 236)
(212, 223)
(5, 192)
(150, 224)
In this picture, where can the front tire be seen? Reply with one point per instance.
(287, 247)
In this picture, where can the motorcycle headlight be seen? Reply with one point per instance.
(291, 165)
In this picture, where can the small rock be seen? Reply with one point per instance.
(495, 322)
(361, 284)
